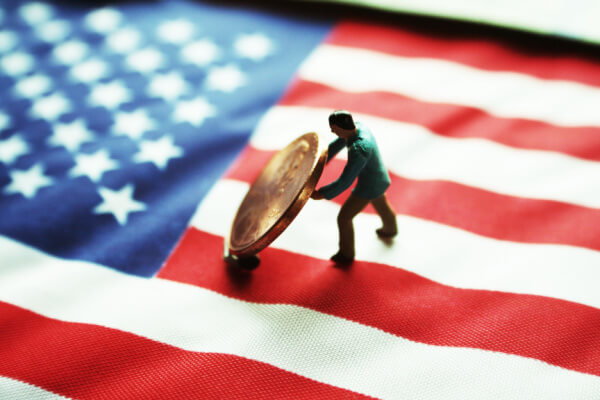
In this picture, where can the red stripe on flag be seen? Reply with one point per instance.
(452, 120)
(400, 302)
(475, 210)
(92, 362)
(476, 53)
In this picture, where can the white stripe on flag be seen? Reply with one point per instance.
(441, 253)
(414, 152)
(14, 389)
(505, 94)
(315, 345)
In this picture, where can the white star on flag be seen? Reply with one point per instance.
(8, 40)
(12, 148)
(194, 111)
(71, 136)
(53, 31)
(124, 40)
(177, 31)
(226, 79)
(201, 53)
(4, 120)
(93, 165)
(28, 182)
(133, 124)
(17, 63)
(158, 152)
(33, 86)
(34, 13)
(104, 20)
(145, 60)
(256, 46)
(90, 71)
(110, 95)
(168, 86)
(119, 203)
(51, 107)
(70, 52)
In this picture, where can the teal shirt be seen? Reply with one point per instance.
(364, 163)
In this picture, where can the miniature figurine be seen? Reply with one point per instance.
(364, 163)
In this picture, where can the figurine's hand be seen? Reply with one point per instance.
(316, 195)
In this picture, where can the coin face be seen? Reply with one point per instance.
(277, 195)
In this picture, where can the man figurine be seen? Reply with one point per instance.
(365, 163)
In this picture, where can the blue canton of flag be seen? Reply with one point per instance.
(116, 121)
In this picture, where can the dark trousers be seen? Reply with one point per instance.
(351, 207)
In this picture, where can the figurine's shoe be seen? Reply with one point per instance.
(341, 259)
(384, 234)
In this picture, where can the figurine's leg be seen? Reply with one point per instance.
(388, 217)
(352, 206)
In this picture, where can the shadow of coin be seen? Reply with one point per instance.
(239, 278)
(238, 269)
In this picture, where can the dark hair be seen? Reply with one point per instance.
(343, 119)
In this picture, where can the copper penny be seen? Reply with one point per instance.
(277, 195)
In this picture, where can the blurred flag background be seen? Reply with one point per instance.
(131, 131)
(565, 18)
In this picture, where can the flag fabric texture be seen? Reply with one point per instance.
(118, 186)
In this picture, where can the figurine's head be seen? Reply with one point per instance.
(342, 124)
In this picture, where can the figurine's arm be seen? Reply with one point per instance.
(335, 147)
(357, 158)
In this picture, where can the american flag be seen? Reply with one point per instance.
(118, 184)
